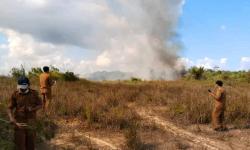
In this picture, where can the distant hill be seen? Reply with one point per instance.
(105, 75)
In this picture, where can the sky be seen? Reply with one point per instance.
(111, 34)
(216, 31)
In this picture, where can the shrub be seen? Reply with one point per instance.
(34, 72)
(70, 76)
(134, 79)
(17, 72)
(197, 73)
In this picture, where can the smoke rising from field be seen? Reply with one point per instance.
(137, 36)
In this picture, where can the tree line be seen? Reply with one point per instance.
(193, 73)
(200, 73)
(56, 74)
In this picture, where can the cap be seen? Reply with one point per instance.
(23, 81)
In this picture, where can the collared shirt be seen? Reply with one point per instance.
(45, 82)
(220, 95)
(20, 103)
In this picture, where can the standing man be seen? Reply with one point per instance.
(45, 87)
(219, 108)
(23, 105)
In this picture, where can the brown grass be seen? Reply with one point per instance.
(104, 104)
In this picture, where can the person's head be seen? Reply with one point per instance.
(23, 84)
(46, 69)
(219, 83)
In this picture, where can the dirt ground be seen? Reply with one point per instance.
(203, 134)
(156, 133)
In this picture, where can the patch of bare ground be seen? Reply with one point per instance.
(158, 139)
(235, 138)
(199, 134)
(155, 133)
(72, 136)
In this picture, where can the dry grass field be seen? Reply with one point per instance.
(105, 105)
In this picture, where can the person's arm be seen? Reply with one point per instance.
(11, 107)
(10, 111)
(217, 95)
(11, 116)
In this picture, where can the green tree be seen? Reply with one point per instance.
(17, 72)
(54, 69)
(197, 72)
(35, 72)
(70, 76)
(55, 73)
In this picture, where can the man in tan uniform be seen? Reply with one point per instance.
(219, 107)
(45, 87)
(22, 109)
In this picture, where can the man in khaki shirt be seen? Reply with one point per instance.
(219, 107)
(46, 87)
(22, 108)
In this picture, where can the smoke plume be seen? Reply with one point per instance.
(136, 36)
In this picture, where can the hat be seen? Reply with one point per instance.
(23, 83)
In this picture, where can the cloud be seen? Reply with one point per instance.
(223, 61)
(23, 46)
(206, 62)
(245, 63)
(103, 60)
(33, 3)
(186, 62)
(127, 35)
(60, 22)
(3, 46)
(23, 49)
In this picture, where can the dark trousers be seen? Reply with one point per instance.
(24, 139)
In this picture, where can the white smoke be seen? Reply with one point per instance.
(137, 36)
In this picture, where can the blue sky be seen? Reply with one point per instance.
(216, 29)
(2, 38)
